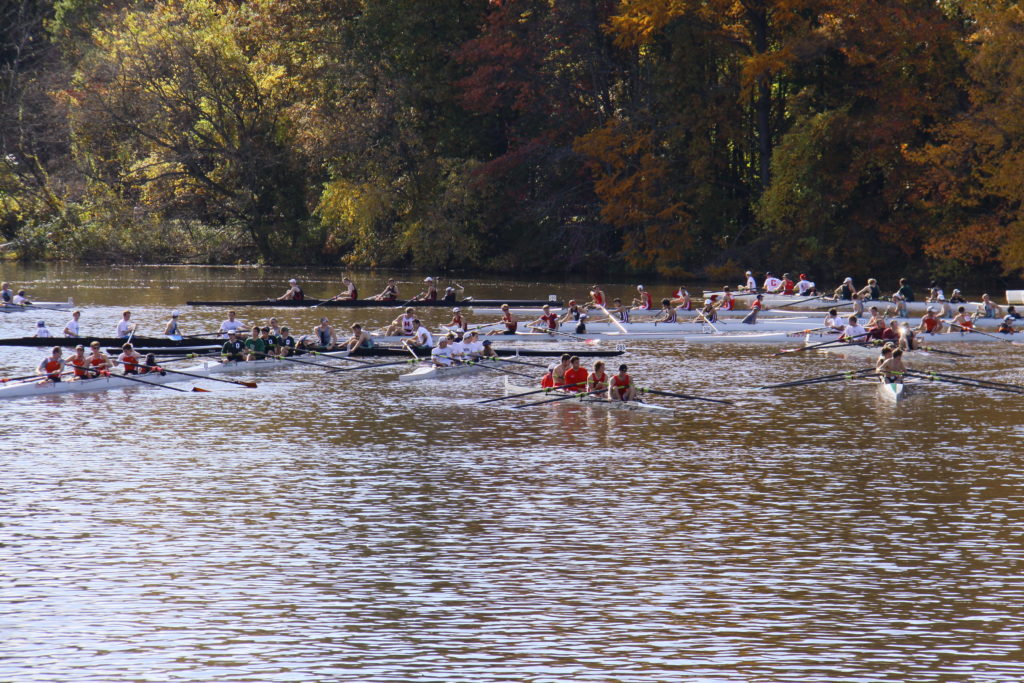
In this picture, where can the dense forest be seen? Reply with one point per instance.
(677, 137)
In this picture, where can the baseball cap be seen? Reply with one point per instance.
(428, 279)
(293, 281)
(456, 309)
(175, 314)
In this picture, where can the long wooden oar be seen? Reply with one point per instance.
(971, 330)
(614, 321)
(803, 300)
(972, 383)
(295, 360)
(407, 361)
(986, 382)
(505, 359)
(823, 378)
(157, 384)
(574, 337)
(4, 380)
(840, 342)
(251, 385)
(545, 390)
(657, 392)
(483, 364)
(561, 398)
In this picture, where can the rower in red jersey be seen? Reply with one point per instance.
(457, 322)
(79, 363)
(621, 386)
(547, 319)
(52, 366)
(788, 286)
(548, 380)
(728, 302)
(596, 297)
(99, 362)
(508, 320)
(130, 359)
(930, 322)
(598, 380)
(645, 302)
(575, 376)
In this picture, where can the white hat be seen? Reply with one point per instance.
(849, 279)
(293, 281)
(583, 316)
(640, 287)
(428, 279)
(942, 297)
(456, 309)
(749, 273)
(932, 309)
(956, 291)
(707, 301)
(175, 314)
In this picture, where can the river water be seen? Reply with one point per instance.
(344, 527)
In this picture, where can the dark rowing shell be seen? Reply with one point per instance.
(369, 303)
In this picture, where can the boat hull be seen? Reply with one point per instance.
(370, 303)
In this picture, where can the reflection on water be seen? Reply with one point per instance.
(344, 527)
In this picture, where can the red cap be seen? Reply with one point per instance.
(802, 276)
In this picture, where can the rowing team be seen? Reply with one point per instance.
(81, 366)
(570, 376)
(680, 299)
(9, 298)
(389, 293)
(877, 328)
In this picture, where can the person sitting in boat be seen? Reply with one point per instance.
(171, 329)
(79, 363)
(892, 369)
(935, 293)
(52, 367)
(350, 293)
(508, 321)
(988, 308)
(884, 355)
(962, 321)
(899, 307)
(547, 319)
(876, 324)
(709, 313)
(668, 313)
(576, 376)
(871, 291)
(488, 351)
(471, 343)
(548, 380)
(581, 325)
(233, 348)
(906, 292)
(269, 341)
(255, 347)
(957, 298)
(892, 333)
(597, 299)
(422, 341)
(294, 292)
(598, 379)
(645, 302)
(845, 291)
(728, 302)
(558, 374)
(441, 355)
(390, 292)
(1012, 312)
(42, 330)
(21, 299)
(930, 322)
(457, 343)
(458, 321)
(787, 285)
(230, 325)
(73, 327)
(858, 304)
(621, 386)
(772, 284)
(130, 359)
(451, 293)
(402, 325)
(326, 337)
(907, 339)
(681, 301)
(1006, 326)
(619, 311)
(428, 294)
(755, 308)
(804, 286)
(99, 362)
(360, 339)
(125, 327)
(6, 293)
(285, 342)
(854, 332)
(572, 313)
(150, 366)
(833, 322)
(749, 283)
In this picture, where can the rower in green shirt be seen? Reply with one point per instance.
(255, 345)
(233, 347)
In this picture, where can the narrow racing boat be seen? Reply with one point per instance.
(592, 401)
(893, 392)
(425, 371)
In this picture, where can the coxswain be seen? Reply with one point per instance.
(451, 293)
(360, 339)
(402, 325)
(151, 365)
(285, 342)
(441, 355)
(988, 308)
(294, 292)
(957, 298)
(558, 374)
(572, 312)
(575, 376)
(255, 347)
(79, 363)
(962, 321)
(728, 302)
(428, 294)
(233, 348)
(832, 321)
(645, 302)
(598, 379)
(871, 291)
(421, 340)
(621, 386)
(845, 291)
(99, 362)
(805, 287)
(508, 320)
(230, 325)
(1012, 312)
(1006, 326)
(547, 319)
(876, 323)
(930, 322)
(350, 293)
(125, 326)
(390, 292)
(581, 325)
(42, 330)
(130, 359)
(854, 332)
(171, 330)
(6, 293)
(52, 366)
(772, 284)
(749, 284)
(668, 313)
(73, 328)
(21, 299)
(458, 322)
(326, 338)
(547, 381)
(787, 285)
(488, 351)
(681, 300)
(755, 308)
(619, 311)
(892, 369)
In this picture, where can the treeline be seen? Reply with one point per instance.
(681, 137)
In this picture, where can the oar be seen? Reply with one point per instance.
(802, 300)
(157, 384)
(4, 380)
(27, 306)
(561, 398)
(993, 384)
(407, 361)
(614, 321)
(985, 334)
(686, 396)
(211, 335)
(295, 360)
(932, 349)
(574, 337)
(545, 390)
(483, 364)
(251, 385)
(815, 380)
(346, 357)
(326, 301)
(700, 314)
(972, 383)
(798, 333)
(841, 342)
(504, 359)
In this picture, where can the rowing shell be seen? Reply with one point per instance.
(893, 392)
(436, 372)
(592, 401)
(38, 306)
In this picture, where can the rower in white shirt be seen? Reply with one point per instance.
(125, 326)
(804, 287)
(750, 285)
(72, 328)
(854, 331)
(421, 339)
(458, 347)
(20, 299)
(472, 345)
(231, 325)
(441, 355)
(42, 330)
(833, 321)
(772, 284)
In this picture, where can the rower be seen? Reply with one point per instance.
(6, 293)
(906, 292)
(72, 328)
(125, 326)
(430, 293)
(42, 330)
(988, 308)
(441, 355)
(935, 293)
(957, 298)
(681, 300)
(421, 340)
(709, 313)
(832, 321)
(597, 299)
(899, 307)
(21, 299)
(750, 285)
(787, 285)
(151, 365)
(755, 309)
(853, 332)
(351, 294)
(1012, 312)
(451, 292)
(547, 319)
(52, 366)
(962, 321)
(99, 362)
(575, 376)
(326, 338)
(907, 340)
(270, 341)
(458, 322)
(621, 386)
(858, 304)
(285, 343)
(79, 363)
(893, 332)
(233, 349)
(668, 313)
(930, 322)
(772, 284)
(892, 369)
(1006, 326)
(294, 292)
(390, 292)
(508, 320)
(558, 374)
(548, 380)
(845, 291)
(728, 300)
(130, 359)
(275, 329)
(876, 324)
(871, 291)
(884, 355)
(457, 346)
(230, 325)
(359, 339)
(402, 325)
(488, 352)
(645, 302)
(581, 325)
(620, 310)
(805, 287)
(598, 379)
(572, 312)
(474, 347)
(255, 347)
(171, 330)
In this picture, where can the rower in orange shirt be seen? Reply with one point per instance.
(621, 387)
(575, 376)
(598, 380)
